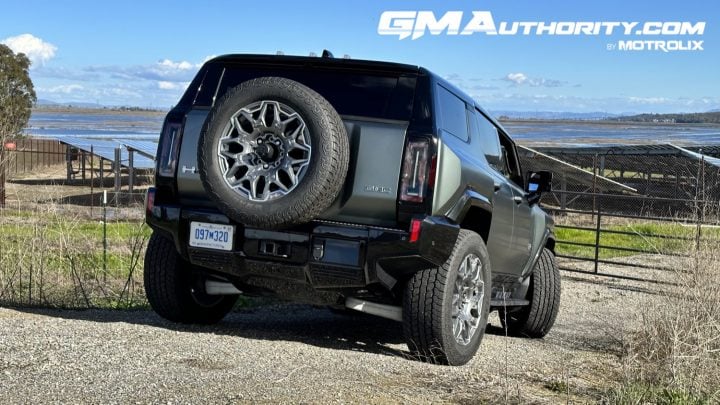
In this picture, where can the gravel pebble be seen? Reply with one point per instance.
(303, 354)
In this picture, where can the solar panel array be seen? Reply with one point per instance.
(534, 160)
(105, 148)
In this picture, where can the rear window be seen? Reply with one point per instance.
(367, 94)
(489, 141)
(452, 113)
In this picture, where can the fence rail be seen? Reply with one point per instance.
(600, 223)
(30, 154)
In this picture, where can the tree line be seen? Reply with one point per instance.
(681, 118)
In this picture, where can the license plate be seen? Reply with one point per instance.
(211, 236)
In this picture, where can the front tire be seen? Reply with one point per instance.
(536, 319)
(445, 309)
(175, 292)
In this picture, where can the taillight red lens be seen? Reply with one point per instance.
(414, 171)
(415, 225)
(168, 151)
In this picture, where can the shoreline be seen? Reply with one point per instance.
(97, 111)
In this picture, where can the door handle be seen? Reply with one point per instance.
(496, 186)
(518, 199)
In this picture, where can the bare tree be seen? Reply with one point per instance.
(17, 97)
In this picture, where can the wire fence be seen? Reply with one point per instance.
(73, 232)
(634, 212)
(77, 242)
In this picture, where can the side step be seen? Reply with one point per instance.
(373, 308)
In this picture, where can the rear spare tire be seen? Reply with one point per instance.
(273, 153)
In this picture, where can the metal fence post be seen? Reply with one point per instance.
(597, 241)
(594, 182)
(2, 176)
(104, 204)
(92, 180)
(699, 210)
(117, 171)
(131, 171)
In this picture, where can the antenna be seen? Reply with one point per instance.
(327, 54)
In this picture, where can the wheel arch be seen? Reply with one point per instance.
(473, 212)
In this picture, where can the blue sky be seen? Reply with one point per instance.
(144, 53)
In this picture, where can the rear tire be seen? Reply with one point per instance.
(175, 292)
(438, 300)
(536, 319)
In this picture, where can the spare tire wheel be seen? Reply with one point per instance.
(273, 153)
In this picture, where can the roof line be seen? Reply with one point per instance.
(626, 187)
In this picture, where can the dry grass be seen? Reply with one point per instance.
(675, 355)
(52, 256)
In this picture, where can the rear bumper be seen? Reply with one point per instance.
(325, 255)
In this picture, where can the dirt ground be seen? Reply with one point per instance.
(50, 188)
(294, 353)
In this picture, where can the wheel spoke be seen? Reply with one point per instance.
(468, 294)
(243, 150)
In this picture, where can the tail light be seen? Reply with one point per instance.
(415, 226)
(169, 149)
(414, 181)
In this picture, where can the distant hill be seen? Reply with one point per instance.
(44, 104)
(552, 115)
(49, 103)
(711, 117)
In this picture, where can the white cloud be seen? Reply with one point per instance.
(62, 89)
(165, 70)
(37, 50)
(517, 78)
(650, 100)
(506, 101)
(183, 65)
(165, 85)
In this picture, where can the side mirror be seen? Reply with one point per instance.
(538, 183)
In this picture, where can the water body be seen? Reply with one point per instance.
(596, 133)
(96, 124)
(143, 125)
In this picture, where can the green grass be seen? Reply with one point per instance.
(635, 241)
(58, 260)
(637, 393)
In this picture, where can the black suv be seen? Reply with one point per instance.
(371, 186)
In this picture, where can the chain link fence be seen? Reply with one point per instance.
(69, 238)
(629, 211)
(75, 242)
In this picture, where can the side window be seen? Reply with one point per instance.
(452, 113)
(510, 161)
(490, 142)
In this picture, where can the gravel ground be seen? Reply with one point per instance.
(292, 353)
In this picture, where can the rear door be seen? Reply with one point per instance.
(484, 142)
(511, 249)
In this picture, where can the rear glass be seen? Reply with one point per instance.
(366, 94)
(452, 112)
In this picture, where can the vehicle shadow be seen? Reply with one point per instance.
(301, 323)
